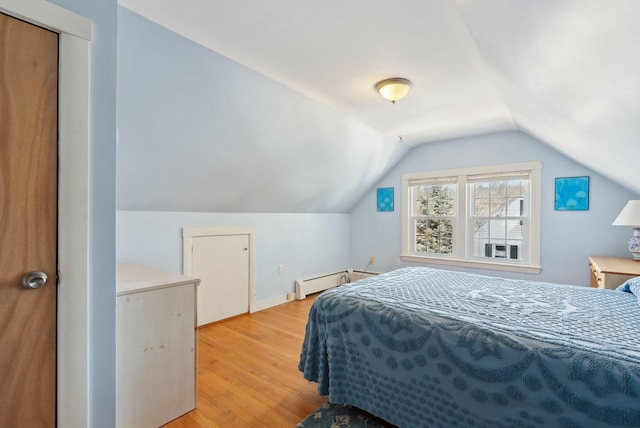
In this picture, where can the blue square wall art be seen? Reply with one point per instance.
(385, 199)
(572, 194)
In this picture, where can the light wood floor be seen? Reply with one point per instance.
(248, 371)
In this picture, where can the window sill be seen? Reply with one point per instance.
(471, 263)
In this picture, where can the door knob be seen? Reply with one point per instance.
(34, 279)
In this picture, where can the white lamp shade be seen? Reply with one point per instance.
(630, 215)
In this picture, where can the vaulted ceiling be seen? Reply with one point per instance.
(564, 71)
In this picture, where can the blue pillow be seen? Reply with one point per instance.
(631, 286)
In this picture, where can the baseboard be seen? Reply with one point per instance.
(330, 280)
(289, 297)
(269, 303)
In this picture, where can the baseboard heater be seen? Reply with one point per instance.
(330, 280)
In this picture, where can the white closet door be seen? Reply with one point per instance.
(222, 264)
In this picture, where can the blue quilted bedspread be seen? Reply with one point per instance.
(421, 347)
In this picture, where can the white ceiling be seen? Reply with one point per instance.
(565, 71)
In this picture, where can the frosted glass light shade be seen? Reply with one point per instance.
(393, 89)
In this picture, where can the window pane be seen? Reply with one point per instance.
(515, 188)
(498, 199)
(433, 204)
(419, 206)
(481, 189)
(498, 189)
(497, 230)
(515, 207)
(421, 236)
(440, 200)
(497, 238)
(439, 236)
(481, 207)
(434, 200)
(514, 231)
(446, 245)
(480, 229)
(434, 236)
(498, 207)
(479, 248)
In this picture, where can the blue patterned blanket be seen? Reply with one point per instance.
(421, 347)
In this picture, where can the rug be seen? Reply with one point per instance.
(331, 415)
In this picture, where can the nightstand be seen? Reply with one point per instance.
(610, 272)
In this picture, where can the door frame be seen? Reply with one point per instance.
(188, 233)
(73, 201)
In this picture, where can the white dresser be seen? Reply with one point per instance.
(155, 346)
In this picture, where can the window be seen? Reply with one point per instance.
(433, 204)
(482, 217)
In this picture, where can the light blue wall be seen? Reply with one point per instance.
(305, 244)
(102, 193)
(202, 138)
(567, 237)
(199, 132)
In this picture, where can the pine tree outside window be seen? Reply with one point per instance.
(434, 215)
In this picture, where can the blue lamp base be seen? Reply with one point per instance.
(634, 244)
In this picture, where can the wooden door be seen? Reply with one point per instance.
(222, 264)
(28, 220)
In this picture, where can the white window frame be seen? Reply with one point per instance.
(462, 251)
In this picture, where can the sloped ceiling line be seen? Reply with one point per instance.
(565, 71)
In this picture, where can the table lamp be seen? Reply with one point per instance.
(630, 216)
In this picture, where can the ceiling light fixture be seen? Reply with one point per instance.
(393, 89)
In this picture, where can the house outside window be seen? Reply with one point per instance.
(487, 217)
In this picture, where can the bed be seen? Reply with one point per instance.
(422, 347)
